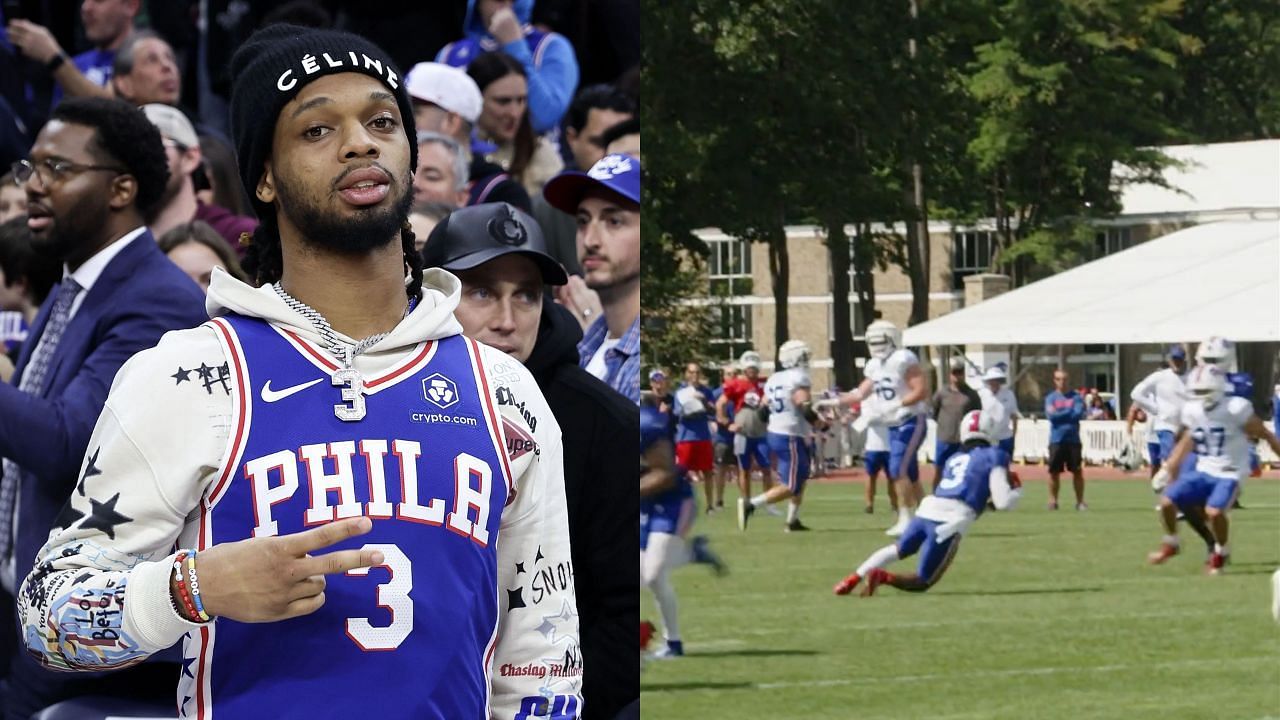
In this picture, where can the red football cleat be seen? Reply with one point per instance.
(1215, 564)
(1165, 552)
(874, 579)
(846, 586)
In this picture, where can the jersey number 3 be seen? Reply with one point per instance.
(393, 595)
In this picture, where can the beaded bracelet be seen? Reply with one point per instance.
(193, 613)
(195, 587)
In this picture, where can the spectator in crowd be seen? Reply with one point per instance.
(196, 248)
(694, 451)
(97, 169)
(623, 138)
(504, 305)
(1064, 408)
(950, 405)
(442, 170)
(1098, 409)
(447, 101)
(25, 279)
(596, 109)
(500, 187)
(726, 465)
(606, 202)
(145, 70)
(179, 204)
(107, 23)
(999, 402)
(223, 186)
(545, 58)
(13, 199)
(423, 217)
(660, 386)
(504, 120)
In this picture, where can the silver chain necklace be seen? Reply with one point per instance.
(348, 378)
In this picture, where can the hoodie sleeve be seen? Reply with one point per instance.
(553, 77)
(156, 446)
(542, 630)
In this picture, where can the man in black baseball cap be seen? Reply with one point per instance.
(500, 255)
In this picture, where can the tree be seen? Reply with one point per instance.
(1067, 89)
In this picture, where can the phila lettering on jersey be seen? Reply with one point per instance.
(889, 382)
(428, 616)
(784, 417)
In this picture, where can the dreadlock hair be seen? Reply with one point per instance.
(263, 261)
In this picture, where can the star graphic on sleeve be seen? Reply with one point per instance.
(515, 598)
(185, 699)
(181, 375)
(90, 470)
(539, 556)
(547, 628)
(519, 568)
(104, 517)
(205, 372)
(186, 666)
(67, 517)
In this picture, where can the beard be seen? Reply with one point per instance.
(366, 229)
(74, 230)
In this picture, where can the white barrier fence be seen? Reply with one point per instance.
(1101, 442)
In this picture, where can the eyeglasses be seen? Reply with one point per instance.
(53, 170)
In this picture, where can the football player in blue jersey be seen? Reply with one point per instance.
(971, 477)
(667, 513)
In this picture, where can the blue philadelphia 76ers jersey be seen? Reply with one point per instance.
(967, 476)
(411, 637)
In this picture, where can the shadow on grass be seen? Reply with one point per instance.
(1033, 591)
(682, 686)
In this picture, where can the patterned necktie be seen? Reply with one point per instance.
(33, 382)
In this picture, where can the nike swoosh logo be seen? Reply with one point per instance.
(269, 395)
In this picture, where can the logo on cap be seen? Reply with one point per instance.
(610, 166)
(507, 229)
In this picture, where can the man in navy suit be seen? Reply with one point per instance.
(95, 171)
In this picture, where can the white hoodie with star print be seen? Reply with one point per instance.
(99, 595)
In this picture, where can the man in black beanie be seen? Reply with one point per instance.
(499, 254)
(360, 496)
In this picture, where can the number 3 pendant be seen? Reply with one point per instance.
(352, 392)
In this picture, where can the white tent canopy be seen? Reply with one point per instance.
(1216, 279)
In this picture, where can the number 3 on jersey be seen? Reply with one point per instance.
(392, 595)
(953, 476)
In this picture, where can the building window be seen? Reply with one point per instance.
(970, 255)
(733, 338)
(729, 268)
(1099, 349)
(1111, 240)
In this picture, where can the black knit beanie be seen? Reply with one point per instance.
(273, 66)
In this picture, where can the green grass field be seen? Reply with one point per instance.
(1041, 616)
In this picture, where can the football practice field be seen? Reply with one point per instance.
(1043, 615)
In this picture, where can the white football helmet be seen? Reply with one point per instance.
(750, 359)
(752, 399)
(1218, 351)
(976, 425)
(883, 337)
(1208, 383)
(794, 353)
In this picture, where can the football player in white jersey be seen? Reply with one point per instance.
(1218, 429)
(894, 391)
(1162, 394)
(791, 418)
